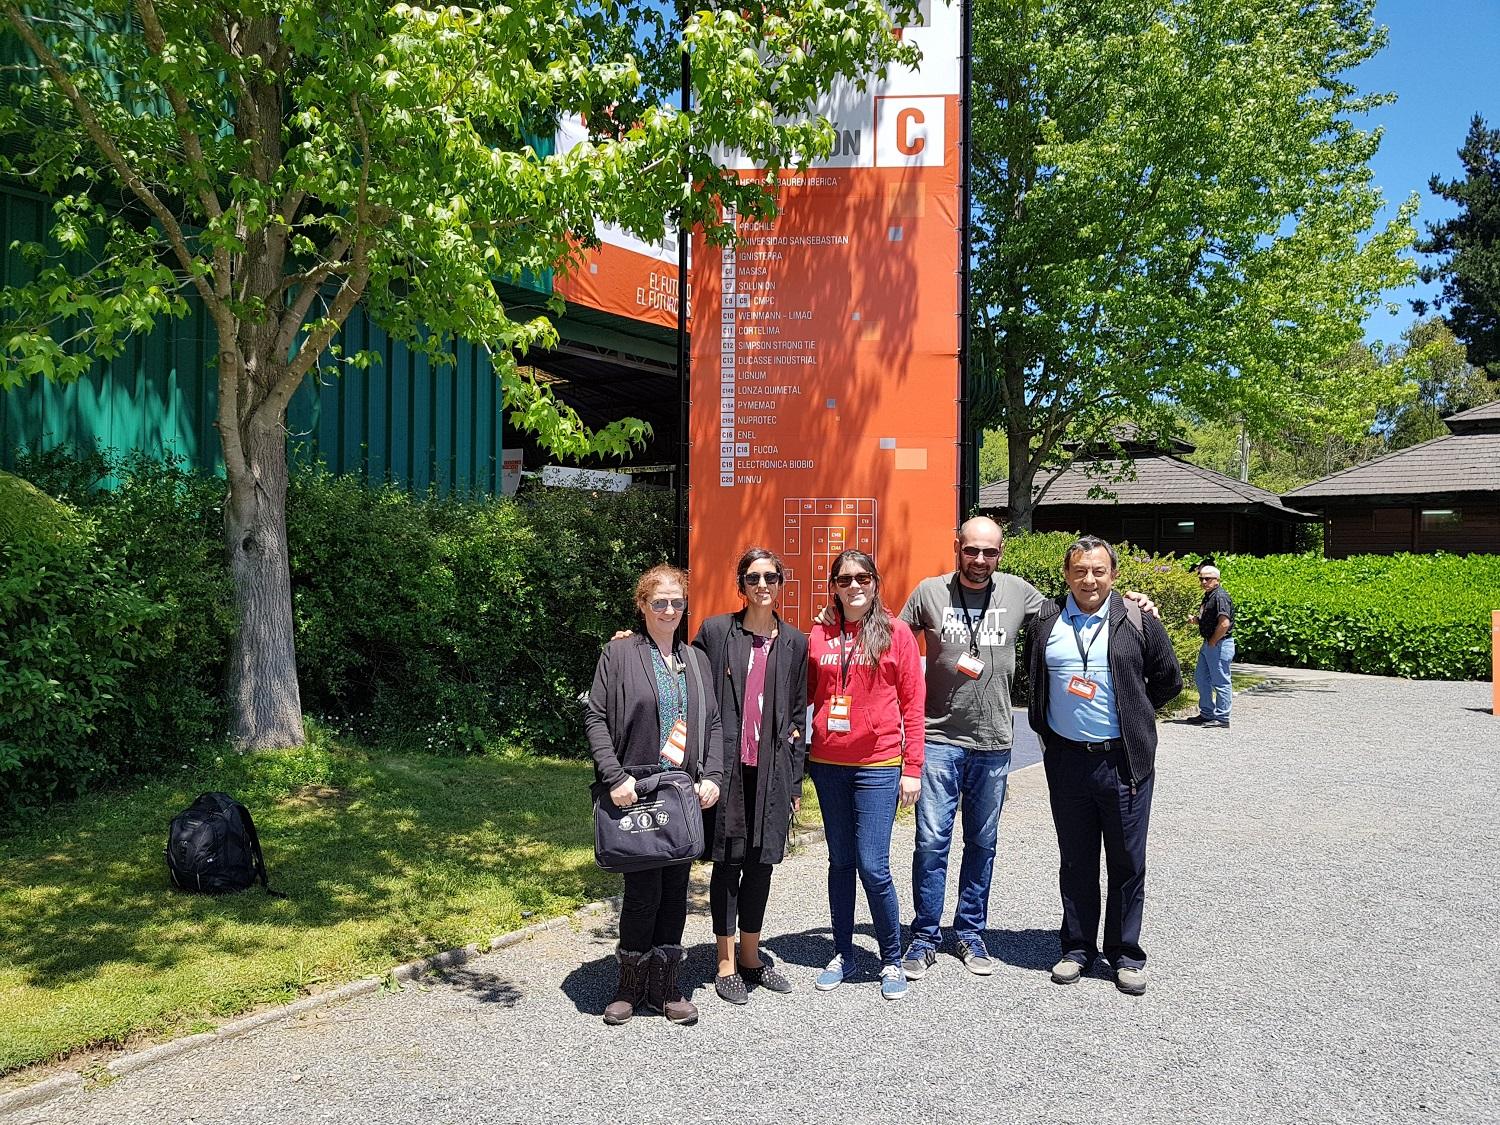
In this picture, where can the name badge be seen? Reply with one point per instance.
(971, 666)
(674, 749)
(1083, 689)
(840, 708)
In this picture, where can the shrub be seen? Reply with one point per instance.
(1165, 579)
(1418, 616)
(585, 552)
(373, 598)
(162, 525)
(463, 620)
(73, 625)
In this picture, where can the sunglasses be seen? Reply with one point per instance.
(772, 579)
(980, 552)
(844, 581)
(1207, 578)
(661, 605)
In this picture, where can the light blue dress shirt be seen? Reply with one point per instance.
(1082, 720)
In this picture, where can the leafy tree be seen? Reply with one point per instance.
(281, 161)
(1470, 244)
(993, 464)
(1435, 365)
(1172, 208)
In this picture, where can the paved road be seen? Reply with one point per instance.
(1322, 918)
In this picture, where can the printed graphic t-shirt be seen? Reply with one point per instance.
(974, 714)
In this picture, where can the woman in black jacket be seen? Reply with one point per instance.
(652, 707)
(759, 666)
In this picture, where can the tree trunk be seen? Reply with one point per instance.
(1022, 474)
(265, 701)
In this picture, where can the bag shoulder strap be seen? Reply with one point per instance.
(248, 823)
(1133, 615)
(699, 719)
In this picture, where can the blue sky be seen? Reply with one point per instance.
(1443, 62)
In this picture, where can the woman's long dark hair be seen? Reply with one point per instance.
(875, 636)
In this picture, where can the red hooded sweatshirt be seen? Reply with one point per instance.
(888, 700)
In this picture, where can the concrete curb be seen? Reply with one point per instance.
(57, 1085)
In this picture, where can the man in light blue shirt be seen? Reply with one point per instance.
(1099, 671)
(1078, 651)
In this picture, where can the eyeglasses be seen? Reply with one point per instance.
(844, 581)
(980, 552)
(661, 605)
(757, 579)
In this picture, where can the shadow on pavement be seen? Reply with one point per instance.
(485, 987)
(1025, 949)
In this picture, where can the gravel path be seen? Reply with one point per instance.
(1321, 921)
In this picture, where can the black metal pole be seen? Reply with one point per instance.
(968, 461)
(684, 353)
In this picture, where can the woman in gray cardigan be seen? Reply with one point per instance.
(652, 707)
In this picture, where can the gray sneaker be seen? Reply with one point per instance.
(1132, 982)
(1066, 971)
(918, 959)
(976, 957)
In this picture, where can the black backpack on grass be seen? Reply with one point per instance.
(212, 847)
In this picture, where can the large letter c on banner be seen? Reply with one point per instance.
(906, 120)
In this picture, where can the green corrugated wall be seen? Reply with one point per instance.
(403, 420)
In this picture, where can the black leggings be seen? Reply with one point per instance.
(655, 908)
(738, 893)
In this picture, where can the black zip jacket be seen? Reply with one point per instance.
(1143, 670)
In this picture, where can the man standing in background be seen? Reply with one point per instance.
(1215, 621)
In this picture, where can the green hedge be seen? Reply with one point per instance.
(463, 621)
(451, 624)
(74, 628)
(1165, 579)
(1425, 617)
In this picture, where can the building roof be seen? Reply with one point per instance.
(1159, 481)
(1467, 461)
(1481, 419)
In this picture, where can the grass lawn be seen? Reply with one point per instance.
(384, 857)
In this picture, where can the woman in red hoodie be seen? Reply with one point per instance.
(864, 679)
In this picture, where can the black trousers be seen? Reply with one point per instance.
(1092, 805)
(654, 911)
(738, 892)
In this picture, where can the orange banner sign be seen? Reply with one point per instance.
(623, 275)
(825, 374)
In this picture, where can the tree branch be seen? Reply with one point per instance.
(110, 151)
(156, 40)
(296, 313)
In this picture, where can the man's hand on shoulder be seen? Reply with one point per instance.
(1146, 604)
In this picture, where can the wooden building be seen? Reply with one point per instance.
(1441, 495)
(1164, 504)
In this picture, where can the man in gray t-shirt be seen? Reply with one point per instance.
(970, 620)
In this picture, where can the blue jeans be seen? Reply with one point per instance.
(859, 808)
(977, 778)
(1212, 677)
